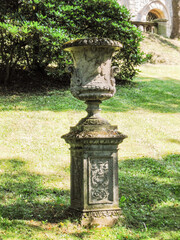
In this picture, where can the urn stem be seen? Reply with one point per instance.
(93, 109)
(93, 114)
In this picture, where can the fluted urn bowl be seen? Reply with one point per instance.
(92, 74)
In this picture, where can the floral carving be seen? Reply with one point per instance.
(100, 194)
(99, 181)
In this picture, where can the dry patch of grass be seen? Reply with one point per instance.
(163, 50)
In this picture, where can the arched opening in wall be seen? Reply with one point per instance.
(151, 17)
(154, 14)
(157, 16)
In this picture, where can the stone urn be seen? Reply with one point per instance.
(94, 142)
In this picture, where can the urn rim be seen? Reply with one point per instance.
(96, 42)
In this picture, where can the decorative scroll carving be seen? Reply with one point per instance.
(99, 181)
(102, 213)
(96, 213)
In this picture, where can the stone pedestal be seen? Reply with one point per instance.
(162, 27)
(94, 173)
(94, 142)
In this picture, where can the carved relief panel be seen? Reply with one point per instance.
(100, 189)
(92, 71)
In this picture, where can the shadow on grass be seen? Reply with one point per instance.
(22, 195)
(155, 95)
(172, 140)
(167, 42)
(149, 194)
(56, 100)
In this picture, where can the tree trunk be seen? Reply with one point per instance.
(7, 74)
(176, 19)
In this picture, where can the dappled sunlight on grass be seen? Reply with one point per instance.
(147, 200)
(24, 196)
(36, 137)
(150, 208)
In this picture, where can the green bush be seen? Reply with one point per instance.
(32, 33)
(106, 18)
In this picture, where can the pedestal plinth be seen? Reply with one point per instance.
(94, 173)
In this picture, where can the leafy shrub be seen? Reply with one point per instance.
(32, 33)
(27, 40)
(106, 18)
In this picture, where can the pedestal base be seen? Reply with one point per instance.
(100, 218)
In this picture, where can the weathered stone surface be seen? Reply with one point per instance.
(105, 217)
(92, 75)
(102, 133)
(163, 9)
(94, 142)
(101, 42)
(162, 27)
(94, 177)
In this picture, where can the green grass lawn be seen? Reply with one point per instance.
(35, 161)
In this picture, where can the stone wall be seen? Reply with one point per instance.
(176, 19)
(140, 9)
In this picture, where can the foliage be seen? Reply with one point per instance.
(32, 33)
(27, 40)
(106, 18)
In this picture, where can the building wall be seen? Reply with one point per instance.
(140, 9)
